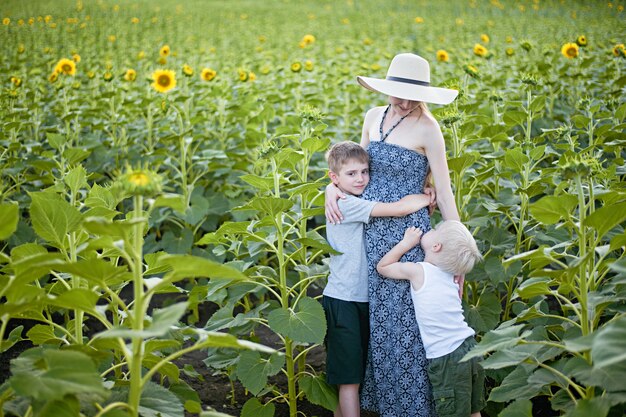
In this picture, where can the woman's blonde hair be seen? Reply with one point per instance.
(459, 252)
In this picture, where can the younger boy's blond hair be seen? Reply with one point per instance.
(459, 252)
(342, 152)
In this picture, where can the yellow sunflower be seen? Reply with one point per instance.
(569, 50)
(53, 77)
(581, 40)
(308, 39)
(619, 50)
(442, 55)
(165, 51)
(21, 48)
(510, 51)
(471, 70)
(208, 74)
(16, 81)
(484, 38)
(187, 70)
(419, 19)
(164, 80)
(480, 50)
(308, 65)
(242, 74)
(130, 75)
(134, 20)
(107, 76)
(65, 66)
(6, 21)
(251, 76)
(296, 67)
(76, 58)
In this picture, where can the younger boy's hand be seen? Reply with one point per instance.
(412, 236)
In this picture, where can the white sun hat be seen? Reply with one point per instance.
(408, 78)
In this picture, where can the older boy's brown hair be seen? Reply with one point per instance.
(342, 152)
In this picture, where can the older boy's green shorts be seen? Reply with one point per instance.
(346, 341)
(458, 387)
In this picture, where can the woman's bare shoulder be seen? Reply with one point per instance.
(429, 126)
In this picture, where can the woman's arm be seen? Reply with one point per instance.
(435, 149)
(436, 153)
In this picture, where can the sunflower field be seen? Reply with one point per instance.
(161, 176)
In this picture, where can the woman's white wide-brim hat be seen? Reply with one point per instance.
(408, 78)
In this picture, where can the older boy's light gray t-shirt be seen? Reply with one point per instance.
(348, 272)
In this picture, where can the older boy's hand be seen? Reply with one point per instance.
(432, 196)
(412, 236)
(416, 201)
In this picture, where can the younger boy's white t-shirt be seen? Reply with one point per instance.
(348, 272)
(439, 312)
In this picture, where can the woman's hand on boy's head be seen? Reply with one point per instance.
(332, 194)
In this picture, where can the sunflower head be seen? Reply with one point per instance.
(569, 50)
(442, 56)
(140, 181)
(21, 48)
(308, 39)
(16, 81)
(107, 76)
(471, 70)
(6, 21)
(296, 67)
(65, 66)
(484, 38)
(130, 75)
(510, 51)
(242, 74)
(134, 20)
(187, 70)
(164, 51)
(419, 19)
(251, 76)
(526, 45)
(53, 77)
(76, 58)
(480, 50)
(308, 65)
(208, 74)
(581, 40)
(164, 80)
(619, 50)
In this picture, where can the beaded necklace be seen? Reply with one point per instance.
(383, 137)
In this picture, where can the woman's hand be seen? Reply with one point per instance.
(332, 194)
(460, 280)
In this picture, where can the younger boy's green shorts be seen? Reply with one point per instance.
(347, 336)
(458, 387)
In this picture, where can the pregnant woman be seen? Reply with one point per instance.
(404, 142)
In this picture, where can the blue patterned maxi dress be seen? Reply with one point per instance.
(396, 383)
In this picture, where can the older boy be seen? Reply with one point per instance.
(449, 249)
(345, 296)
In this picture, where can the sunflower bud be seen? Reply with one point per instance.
(140, 181)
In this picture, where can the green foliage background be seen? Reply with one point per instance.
(535, 144)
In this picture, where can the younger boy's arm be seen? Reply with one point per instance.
(390, 267)
(407, 205)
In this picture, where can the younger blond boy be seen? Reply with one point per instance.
(449, 250)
